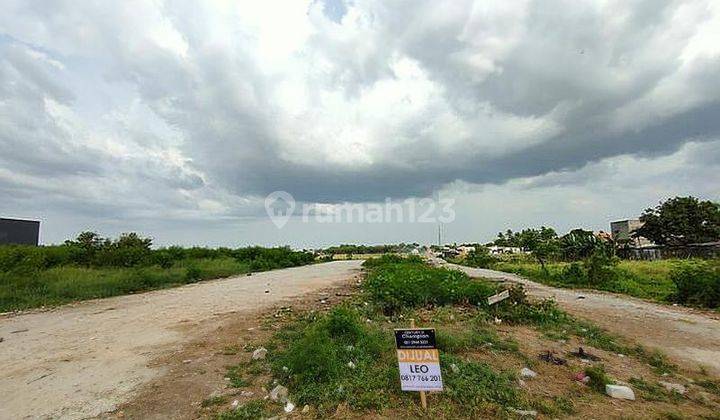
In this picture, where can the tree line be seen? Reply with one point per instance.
(91, 250)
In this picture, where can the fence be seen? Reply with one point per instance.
(706, 251)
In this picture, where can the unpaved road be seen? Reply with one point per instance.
(687, 336)
(84, 359)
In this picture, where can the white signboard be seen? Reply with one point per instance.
(418, 359)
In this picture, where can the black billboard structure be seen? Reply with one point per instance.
(19, 232)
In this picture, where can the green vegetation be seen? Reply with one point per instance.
(710, 385)
(698, 283)
(315, 364)
(411, 283)
(643, 279)
(209, 402)
(346, 358)
(693, 282)
(681, 221)
(479, 258)
(598, 377)
(251, 410)
(583, 259)
(653, 391)
(94, 267)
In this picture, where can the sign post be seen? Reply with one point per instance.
(419, 360)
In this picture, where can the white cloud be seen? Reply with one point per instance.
(194, 110)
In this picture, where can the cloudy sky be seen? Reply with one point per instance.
(177, 118)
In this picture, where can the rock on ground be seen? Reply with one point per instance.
(679, 388)
(621, 392)
(279, 393)
(259, 353)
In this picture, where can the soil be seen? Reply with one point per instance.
(689, 337)
(85, 359)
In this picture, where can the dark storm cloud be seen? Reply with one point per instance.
(185, 109)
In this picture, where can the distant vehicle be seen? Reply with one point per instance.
(19, 232)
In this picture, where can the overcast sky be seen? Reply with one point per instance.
(177, 118)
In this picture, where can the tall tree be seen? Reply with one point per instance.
(681, 221)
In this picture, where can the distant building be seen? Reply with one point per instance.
(603, 236)
(19, 232)
(622, 232)
(494, 249)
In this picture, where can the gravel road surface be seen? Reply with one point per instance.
(686, 335)
(81, 360)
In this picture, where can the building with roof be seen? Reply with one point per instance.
(19, 232)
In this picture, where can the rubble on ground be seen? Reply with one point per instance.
(259, 353)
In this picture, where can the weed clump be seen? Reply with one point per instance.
(471, 339)
(251, 410)
(653, 391)
(337, 358)
(698, 283)
(518, 310)
(598, 377)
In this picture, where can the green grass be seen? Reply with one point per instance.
(251, 410)
(394, 284)
(95, 267)
(310, 355)
(60, 285)
(712, 386)
(598, 378)
(558, 324)
(644, 279)
(209, 402)
(654, 391)
(473, 338)
(315, 364)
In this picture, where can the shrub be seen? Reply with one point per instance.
(386, 259)
(543, 313)
(598, 377)
(480, 258)
(698, 283)
(574, 274)
(409, 284)
(192, 273)
(600, 267)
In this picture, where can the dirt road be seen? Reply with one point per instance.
(687, 336)
(84, 359)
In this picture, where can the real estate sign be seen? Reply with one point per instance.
(419, 359)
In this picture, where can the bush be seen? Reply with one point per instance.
(409, 284)
(95, 267)
(598, 377)
(480, 258)
(192, 273)
(543, 313)
(386, 259)
(698, 283)
(132, 250)
(600, 267)
(574, 274)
